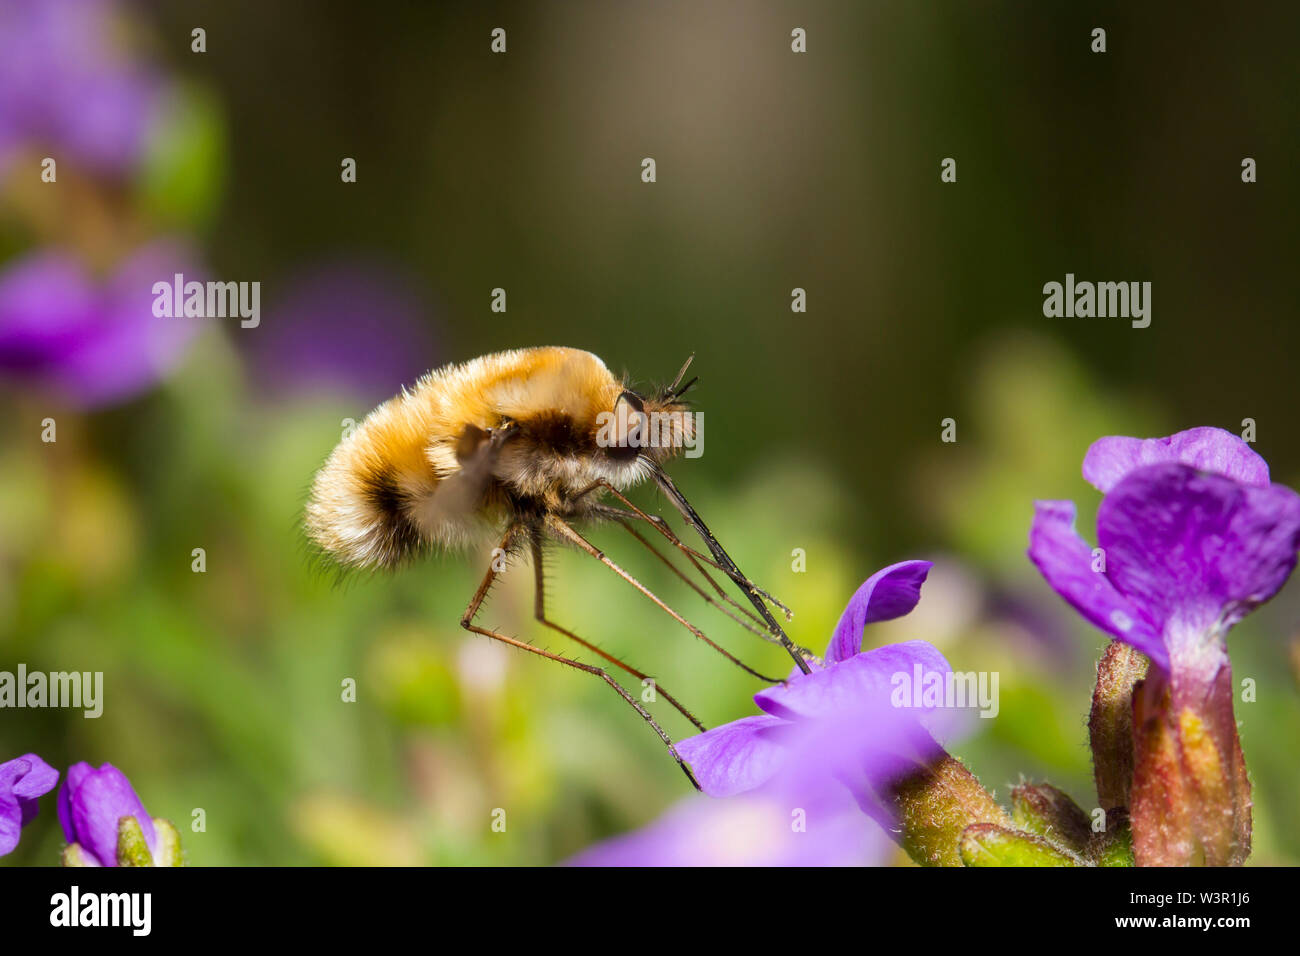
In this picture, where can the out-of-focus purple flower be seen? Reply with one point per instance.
(801, 817)
(1192, 536)
(350, 327)
(91, 805)
(66, 88)
(22, 781)
(802, 781)
(743, 754)
(93, 342)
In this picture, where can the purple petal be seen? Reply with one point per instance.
(11, 821)
(129, 349)
(1197, 551)
(11, 811)
(46, 304)
(38, 780)
(1205, 449)
(71, 781)
(734, 757)
(22, 781)
(103, 797)
(11, 771)
(889, 593)
(1065, 560)
(65, 84)
(106, 117)
(863, 685)
(748, 830)
(806, 814)
(95, 343)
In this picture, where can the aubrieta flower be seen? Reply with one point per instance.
(798, 817)
(65, 88)
(92, 342)
(803, 781)
(106, 824)
(1191, 536)
(743, 754)
(22, 781)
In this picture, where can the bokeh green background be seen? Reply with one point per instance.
(775, 171)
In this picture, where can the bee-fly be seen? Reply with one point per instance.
(525, 443)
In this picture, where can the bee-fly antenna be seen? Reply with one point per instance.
(673, 390)
(724, 560)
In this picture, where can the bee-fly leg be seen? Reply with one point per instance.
(768, 633)
(737, 612)
(565, 532)
(539, 611)
(467, 621)
(728, 566)
(694, 556)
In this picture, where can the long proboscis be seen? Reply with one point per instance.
(724, 560)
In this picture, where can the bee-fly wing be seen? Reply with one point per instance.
(461, 492)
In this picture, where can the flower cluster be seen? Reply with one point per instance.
(103, 819)
(1191, 535)
(77, 108)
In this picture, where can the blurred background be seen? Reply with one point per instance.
(522, 171)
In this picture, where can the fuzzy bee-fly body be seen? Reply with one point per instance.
(523, 445)
(513, 435)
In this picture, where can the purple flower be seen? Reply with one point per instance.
(803, 778)
(348, 327)
(22, 781)
(93, 342)
(742, 755)
(63, 87)
(91, 805)
(759, 828)
(1192, 537)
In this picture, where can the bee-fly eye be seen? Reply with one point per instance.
(622, 436)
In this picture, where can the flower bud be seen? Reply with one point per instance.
(1044, 810)
(985, 844)
(1110, 723)
(106, 824)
